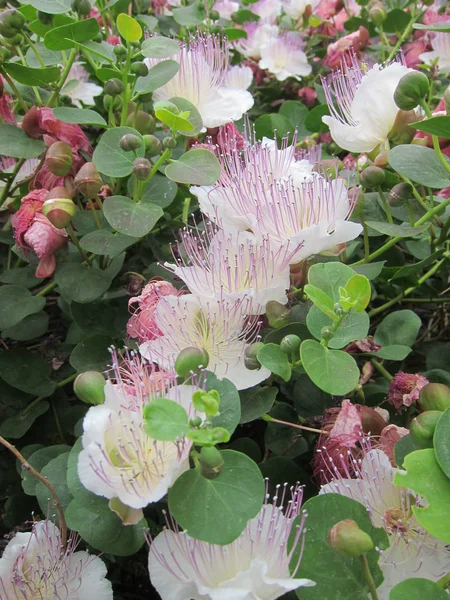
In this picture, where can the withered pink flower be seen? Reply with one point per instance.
(6, 105)
(114, 40)
(307, 95)
(340, 50)
(413, 50)
(389, 437)
(405, 389)
(34, 232)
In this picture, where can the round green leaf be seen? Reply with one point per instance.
(56, 473)
(419, 164)
(16, 427)
(159, 47)
(31, 327)
(358, 292)
(80, 116)
(165, 420)
(398, 328)
(92, 354)
(354, 326)
(131, 218)
(26, 371)
(15, 143)
(441, 442)
(194, 118)
(333, 371)
(81, 283)
(256, 402)
(48, 57)
(217, 510)
(64, 37)
(198, 167)
(52, 7)
(128, 28)
(106, 243)
(230, 405)
(39, 460)
(268, 125)
(418, 589)
(313, 120)
(29, 76)
(24, 277)
(436, 126)
(189, 15)
(396, 230)
(160, 191)
(393, 352)
(309, 400)
(396, 21)
(282, 439)
(273, 358)
(110, 159)
(16, 303)
(157, 76)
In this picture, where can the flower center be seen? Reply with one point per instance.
(396, 521)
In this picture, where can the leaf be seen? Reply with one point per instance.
(441, 442)
(284, 439)
(309, 400)
(273, 358)
(425, 477)
(244, 15)
(128, 28)
(16, 427)
(38, 460)
(195, 118)
(29, 76)
(398, 328)
(48, 57)
(15, 143)
(110, 159)
(92, 354)
(329, 277)
(16, 303)
(256, 402)
(333, 371)
(64, 37)
(189, 15)
(173, 121)
(443, 26)
(197, 167)
(52, 7)
(402, 448)
(159, 47)
(321, 563)
(23, 277)
(396, 230)
(80, 116)
(148, 21)
(418, 589)
(268, 125)
(30, 328)
(230, 404)
(313, 120)
(436, 125)
(217, 510)
(296, 113)
(106, 243)
(393, 352)
(26, 371)
(323, 302)
(56, 473)
(354, 326)
(396, 21)
(80, 283)
(157, 76)
(370, 270)
(419, 164)
(160, 191)
(165, 420)
(358, 291)
(131, 218)
(232, 33)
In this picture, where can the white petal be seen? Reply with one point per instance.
(92, 581)
(226, 105)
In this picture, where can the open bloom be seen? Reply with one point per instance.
(34, 232)
(258, 35)
(267, 10)
(296, 8)
(284, 57)
(412, 552)
(34, 566)
(119, 460)
(204, 63)
(253, 567)
(226, 8)
(238, 77)
(361, 104)
(221, 328)
(217, 264)
(78, 87)
(441, 50)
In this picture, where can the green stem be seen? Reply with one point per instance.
(94, 213)
(435, 139)
(368, 577)
(404, 35)
(14, 89)
(48, 288)
(385, 205)
(126, 70)
(366, 240)
(60, 384)
(164, 156)
(379, 367)
(5, 192)
(76, 243)
(270, 419)
(63, 77)
(33, 49)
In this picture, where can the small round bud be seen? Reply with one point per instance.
(130, 142)
(278, 315)
(88, 181)
(399, 194)
(113, 102)
(214, 15)
(119, 50)
(153, 145)
(59, 158)
(251, 356)
(435, 396)
(12, 20)
(59, 192)
(82, 7)
(44, 18)
(411, 90)
(59, 211)
(190, 360)
(113, 87)
(90, 387)
(326, 333)
(372, 177)
(195, 422)
(377, 14)
(141, 168)
(139, 69)
(141, 121)
(206, 402)
(211, 462)
(422, 428)
(347, 539)
(290, 343)
(169, 142)
(30, 123)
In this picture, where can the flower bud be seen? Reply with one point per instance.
(59, 192)
(88, 181)
(195, 422)
(251, 356)
(139, 69)
(119, 50)
(422, 428)
(402, 132)
(82, 7)
(326, 333)
(169, 142)
(372, 177)
(399, 194)
(59, 211)
(130, 142)
(371, 420)
(141, 121)
(435, 396)
(141, 168)
(152, 145)
(447, 100)
(211, 462)
(190, 360)
(377, 14)
(11, 22)
(206, 402)
(30, 123)
(347, 539)
(113, 87)
(113, 102)
(381, 160)
(411, 90)
(278, 315)
(290, 343)
(44, 18)
(59, 158)
(90, 387)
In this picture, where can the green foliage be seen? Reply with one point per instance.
(165, 420)
(128, 28)
(14, 142)
(64, 37)
(420, 165)
(273, 358)
(198, 167)
(16, 303)
(417, 589)
(157, 76)
(130, 218)
(81, 116)
(441, 442)
(110, 159)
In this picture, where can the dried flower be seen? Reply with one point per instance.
(405, 388)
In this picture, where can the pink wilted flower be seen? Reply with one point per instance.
(390, 435)
(307, 95)
(413, 50)
(114, 40)
(339, 50)
(34, 232)
(405, 389)
(141, 324)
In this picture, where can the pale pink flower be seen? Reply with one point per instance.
(405, 388)
(267, 10)
(258, 35)
(353, 42)
(226, 8)
(283, 56)
(413, 51)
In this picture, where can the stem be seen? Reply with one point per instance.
(435, 139)
(26, 465)
(368, 577)
(14, 89)
(166, 154)
(379, 367)
(366, 240)
(126, 70)
(47, 289)
(33, 48)
(270, 419)
(95, 215)
(63, 77)
(385, 205)
(7, 187)
(404, 35)
(75, 242)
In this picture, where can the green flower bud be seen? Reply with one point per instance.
(372, 177)
(130, 142)
(59, 211)
(326, 333)
(214, 15)
(377, 14)
(141, 121)
(140, 69)
(59, 158)
(195, 422)
(278, 315)
(114, 102)
(153, 145)
(90, 387)
(119, 50)
(290, 343)
(251, 356)
(191, 360)
(402, 132)
(411, 90)
(399, 194)
(169, 142)
(141, 168)
(422, 428)
(206, 402)
(44, 18)
(113, 87)
(12, 19)
(59, 192)
(82, 7)
(211, 462)
(347, 539)
(435, 396)
(88, 181)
